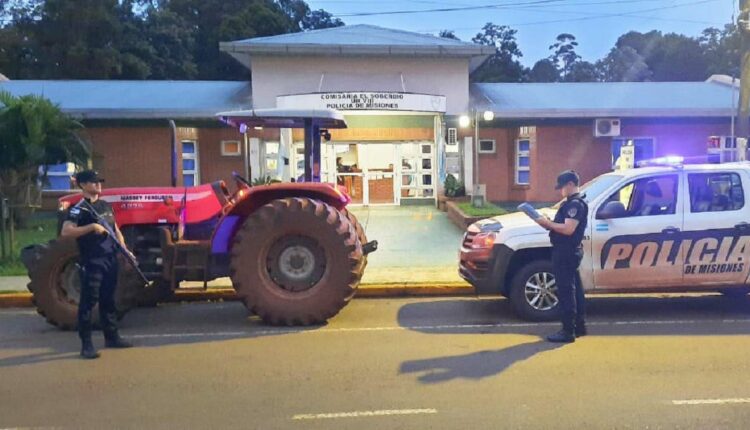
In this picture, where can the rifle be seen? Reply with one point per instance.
(118, 245)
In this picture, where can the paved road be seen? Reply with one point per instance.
(389, 364)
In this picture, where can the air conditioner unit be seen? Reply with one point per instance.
(452, 137)
(604, 127)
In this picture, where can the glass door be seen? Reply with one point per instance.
(344, 170)
(417, 170)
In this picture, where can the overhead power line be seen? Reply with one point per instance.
(529, 5)
(443, 9)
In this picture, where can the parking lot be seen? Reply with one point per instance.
(649, 362)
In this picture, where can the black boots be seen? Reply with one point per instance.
(115, 341)
(562, 336)
(87, 350)
(112, 341)
(569, 335)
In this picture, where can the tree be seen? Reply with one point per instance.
(722, 49)
(139, 39)
(544, 71)
(624, 65)
(84, 40)
(678, 58)
(582, 71)
(503, 66)
(34, 133)
(564, 53)
(448, 34)
(172, 44)
(670, 57)
(319, 19)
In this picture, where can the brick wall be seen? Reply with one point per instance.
(140, 156)
(132, 156)
(381, 190)
(561, 146)
(215, 166)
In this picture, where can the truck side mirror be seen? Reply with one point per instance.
(610, 210)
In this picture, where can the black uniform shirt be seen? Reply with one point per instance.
(93, 245)
(576, 208)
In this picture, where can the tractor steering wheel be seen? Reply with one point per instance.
(237, 177)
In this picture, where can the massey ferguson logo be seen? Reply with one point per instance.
(701, 252)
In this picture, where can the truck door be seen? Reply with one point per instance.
(716, 225)
(636, 235)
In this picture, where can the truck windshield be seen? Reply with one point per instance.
(596, 186)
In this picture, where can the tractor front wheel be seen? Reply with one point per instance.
(296, 261)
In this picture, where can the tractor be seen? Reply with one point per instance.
(293, 251)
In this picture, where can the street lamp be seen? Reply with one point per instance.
(464, 121)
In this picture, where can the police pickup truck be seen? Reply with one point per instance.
(665, 228)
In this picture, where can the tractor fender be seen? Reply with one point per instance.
(248, 201)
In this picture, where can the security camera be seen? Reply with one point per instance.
(325, 134)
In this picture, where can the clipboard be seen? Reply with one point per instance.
(529, 211)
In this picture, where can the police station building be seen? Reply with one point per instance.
(413, 117)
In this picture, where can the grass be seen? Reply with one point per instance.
(40, 229)
(487, 210)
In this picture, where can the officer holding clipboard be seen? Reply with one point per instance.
(566, 233)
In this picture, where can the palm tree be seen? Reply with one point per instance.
(34, 134)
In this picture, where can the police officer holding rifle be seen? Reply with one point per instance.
(91, 222)
(566, 233)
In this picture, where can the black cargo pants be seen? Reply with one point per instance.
(98, 283)
(569, 289)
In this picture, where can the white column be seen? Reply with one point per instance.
(284, 170)
(255, 172)
(469, 164)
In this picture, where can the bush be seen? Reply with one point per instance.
(488, 210)
(453, 187)
(264, 181)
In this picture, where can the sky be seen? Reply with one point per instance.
(596, 23)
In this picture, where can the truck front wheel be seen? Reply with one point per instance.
(296, 261)
(533, 292)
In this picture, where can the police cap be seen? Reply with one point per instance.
(567, 176)
(86, 176)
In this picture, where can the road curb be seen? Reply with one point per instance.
(23, 300)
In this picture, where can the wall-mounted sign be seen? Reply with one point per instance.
(364, 101)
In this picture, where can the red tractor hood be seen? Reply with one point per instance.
(161, 205)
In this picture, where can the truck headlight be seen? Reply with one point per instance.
(484, 240)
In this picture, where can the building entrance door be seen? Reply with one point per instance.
(366, 170)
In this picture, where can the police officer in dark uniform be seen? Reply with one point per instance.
(97, 261)
(566, 233)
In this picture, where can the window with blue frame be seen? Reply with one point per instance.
(523, 162)
(190, 163)
(58, 176)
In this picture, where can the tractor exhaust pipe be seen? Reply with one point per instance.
(173, 132)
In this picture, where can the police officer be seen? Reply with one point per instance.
(97, 261)
(566, 233)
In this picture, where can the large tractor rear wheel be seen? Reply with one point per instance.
(56, 285)
(360, 235)
(296, 261)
